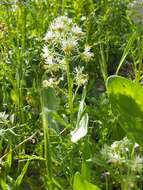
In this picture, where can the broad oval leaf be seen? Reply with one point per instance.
(126, 98)
(50, 100)
(81, 129)
(81, 184)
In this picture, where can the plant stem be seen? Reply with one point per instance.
(21, 28)
(70, 104)
(47, 148)
(70, 90)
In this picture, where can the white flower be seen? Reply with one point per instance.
(115, 145)
(66, 19)
(87, 54)
(49, 83)
(49, 37)
(77, 30)
(68, 45)
(45, 52)
(47, 55)
(45, 83)
(114, 158)
(59, 26)
(105, 151)
(83, 18)
(80, 78)
(137, 164)
(136, 145)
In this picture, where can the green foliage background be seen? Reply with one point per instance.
(26, 143)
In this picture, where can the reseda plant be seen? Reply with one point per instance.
(33, 158)
(64, 53)
(125, 163)
(61, 42)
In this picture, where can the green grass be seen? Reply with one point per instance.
(56, 121)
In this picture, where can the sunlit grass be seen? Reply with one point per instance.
(57, 124)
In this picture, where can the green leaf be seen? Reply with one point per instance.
(81, 184)
(82, 121)
(14, 97)
(3, 184)
(9, 160)
(50, 100)
(100, 162)
(81, 129)
(85, 170)
(21, 176)
(126, 99)
(50, 103)
(127, 49)
(82, 106)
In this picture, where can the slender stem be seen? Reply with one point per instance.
(47, 148)
(21, 20)
(61, 90)
(106, 178)
(75, 92)
(70, 90)
(70, 102)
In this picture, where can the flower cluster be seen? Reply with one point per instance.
(80, 77)
(49, 83)
(63, 39)
(136, 11)
(119, 153)
(87, 54)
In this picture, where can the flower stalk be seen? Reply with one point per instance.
(70, 90)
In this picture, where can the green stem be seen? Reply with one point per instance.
(70, 90)
(106, 182)
(21, 28)
(75, 93)
(70, 104)
(47, 148)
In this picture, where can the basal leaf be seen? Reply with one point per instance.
(81, 129)
(81, 184)
(126, 99)
(21, 176)
(50, 100)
